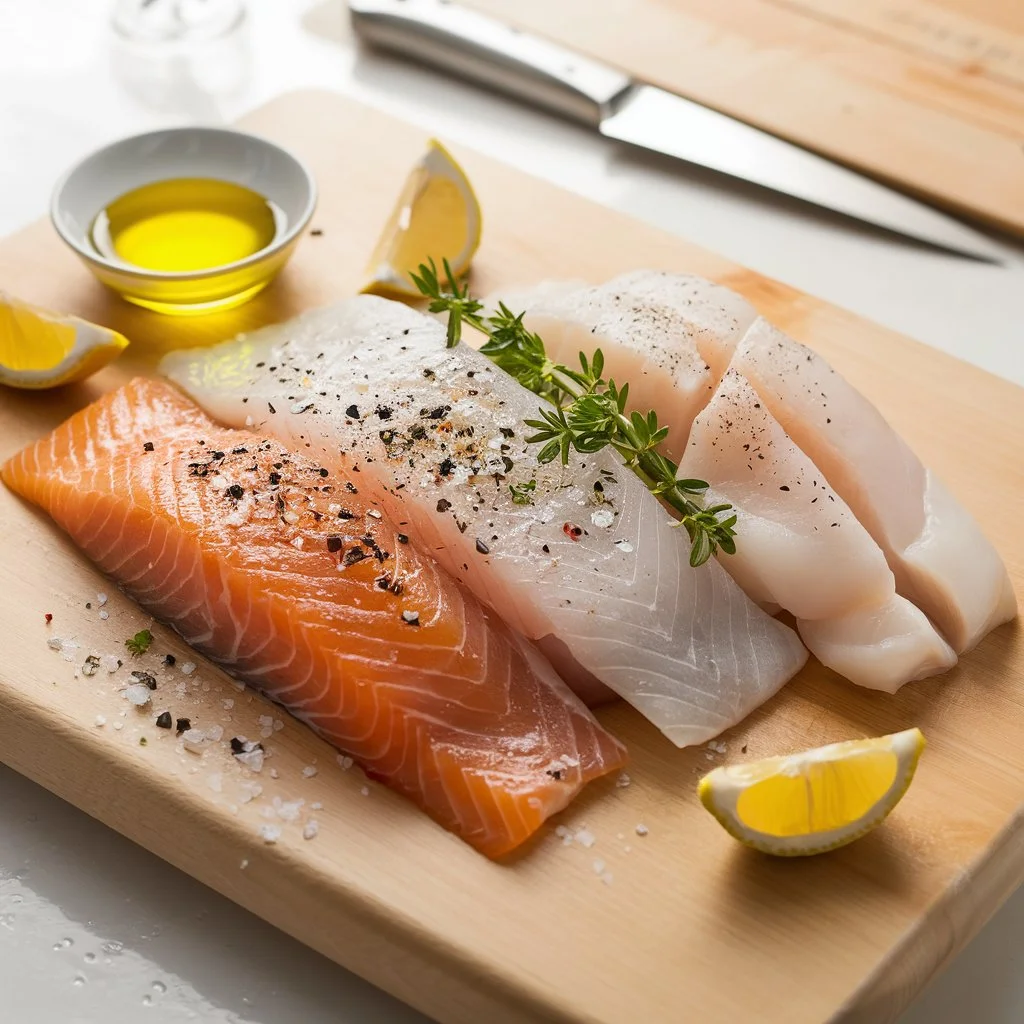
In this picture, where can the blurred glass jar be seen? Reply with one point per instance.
(177, 21)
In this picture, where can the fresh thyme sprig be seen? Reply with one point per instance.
(587, 413)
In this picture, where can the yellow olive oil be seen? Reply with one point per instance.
(186, 224)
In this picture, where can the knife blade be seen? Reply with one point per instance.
(472, 45)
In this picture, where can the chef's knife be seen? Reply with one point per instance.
(464, 42)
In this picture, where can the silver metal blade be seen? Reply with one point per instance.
(669, 124)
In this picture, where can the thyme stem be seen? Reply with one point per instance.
(587, 412)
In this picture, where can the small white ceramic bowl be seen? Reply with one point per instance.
(217, 153)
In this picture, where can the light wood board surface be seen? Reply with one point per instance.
(693, 926)
(927, 94)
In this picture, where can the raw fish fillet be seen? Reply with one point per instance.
(672, 336)
(647, 324)
(587, 562)
(800, 547)
(286, 574)
(942, 560)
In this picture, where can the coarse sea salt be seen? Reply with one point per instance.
(250, 790)
(642, 830)
(252, 759)
(270, 833)
(104, 614)
(193, 740)
(585, 837)
(101, 599)
(310, 829)
(215, 733)
(623, 781)
(227, 704)
(309, 771)
(100, 720)
(624, 546)
(138, 694)
(111, 662)
(288, 810)
(187, 668)
(316, 805)
(365, 791)
(345, 762)
(602, 518)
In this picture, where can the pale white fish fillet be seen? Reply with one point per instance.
(647, 324)
(882, 646)
(800, 547)
(942, 560)
(437, 438)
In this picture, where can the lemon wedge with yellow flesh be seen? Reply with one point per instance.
(816, 800)
(437, 217)
(40, 349)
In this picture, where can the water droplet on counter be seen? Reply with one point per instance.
(89, 958)
(7, 920)
(63, 944)
(159, 986)
(78, 981)
(147, 1001)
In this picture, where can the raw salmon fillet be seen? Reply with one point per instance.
(288, 576)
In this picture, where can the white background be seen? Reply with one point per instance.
(93, 929)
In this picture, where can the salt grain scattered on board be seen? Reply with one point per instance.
(138, 694)
(623, 781)
(187, 668)
(585, 837)
(194, 740)
(309, 771)
(270, 833)
(310, 829)
(642, 830)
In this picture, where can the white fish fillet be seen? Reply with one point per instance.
(436, 435)
(942, 560)
(648, 325)
(672, 336)
(800, 547)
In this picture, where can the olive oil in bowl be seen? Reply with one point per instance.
(183, 237)
(186, 224)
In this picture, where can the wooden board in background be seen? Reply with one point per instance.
(926, 94)
(693, 927)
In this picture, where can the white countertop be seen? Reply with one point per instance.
(94, 929)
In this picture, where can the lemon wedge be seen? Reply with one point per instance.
(40, 349)
(816, 800)
(437, 217)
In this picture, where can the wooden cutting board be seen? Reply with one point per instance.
(693, 927)
(926, 94)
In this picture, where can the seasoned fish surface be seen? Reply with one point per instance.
(581, 557)
(942, 560)
(286, 573)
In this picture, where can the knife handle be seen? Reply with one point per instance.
(467, 43)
